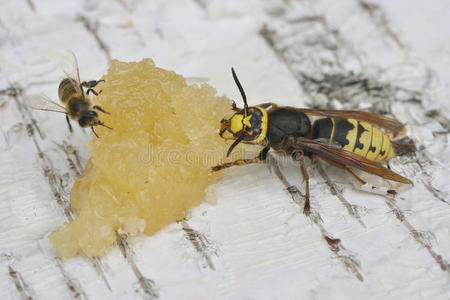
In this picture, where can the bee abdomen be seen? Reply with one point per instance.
(67, 90)
(356, 136)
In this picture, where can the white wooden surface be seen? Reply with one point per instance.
(251, 241)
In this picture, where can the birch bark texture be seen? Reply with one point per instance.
(250, 240)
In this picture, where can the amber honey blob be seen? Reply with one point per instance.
(153, 166)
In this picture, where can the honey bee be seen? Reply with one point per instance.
(346, 139)
(77, 104)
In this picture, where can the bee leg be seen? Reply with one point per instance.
(95, 133)
(90, 85)
(100, 109)
(298, 156)
(240, 162)
(68, 123)
(93, 92)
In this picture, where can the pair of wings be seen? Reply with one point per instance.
(342, 157)
(71, 70)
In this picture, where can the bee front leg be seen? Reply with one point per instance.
(90, 85)
(240, 162)
(95, 133)
(100, 109)
(298, 156)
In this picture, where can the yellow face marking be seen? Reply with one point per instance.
(351, 135)
(364, 139)
(232, 124)
(265, 120)
(377, 141)
(236, 123)
(227, 135)
(246, 121)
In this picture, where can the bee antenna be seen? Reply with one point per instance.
(235, 143)
(102, 124)
(236, 80)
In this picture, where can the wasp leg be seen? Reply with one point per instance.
(298, 156)
(240, 162)
(92, 128)
(68, 123)
(100, 109)
(363, 182)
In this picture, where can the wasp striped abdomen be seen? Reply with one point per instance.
(356, 136)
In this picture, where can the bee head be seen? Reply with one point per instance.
(248, 125)
(89, 119)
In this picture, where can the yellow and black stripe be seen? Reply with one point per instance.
(356, 136)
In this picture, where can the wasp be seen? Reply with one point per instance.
(77, 103)
(344, 138)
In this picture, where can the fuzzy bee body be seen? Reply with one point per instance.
(77, 104)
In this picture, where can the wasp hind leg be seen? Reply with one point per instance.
(90, 86)
(298, 156)
(363, 182)
(240, 162)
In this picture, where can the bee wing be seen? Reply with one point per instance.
(343, 157)
(71, 70)
(386, 123)
(42, 102)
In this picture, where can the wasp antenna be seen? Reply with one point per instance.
(240, 90)
(235, 143)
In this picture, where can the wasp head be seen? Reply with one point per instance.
(251, 126)
(248, 125)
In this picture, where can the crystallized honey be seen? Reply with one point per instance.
(153, 166)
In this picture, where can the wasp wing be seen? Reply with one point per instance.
(344, 157)
(386, 123)
(42, 102)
